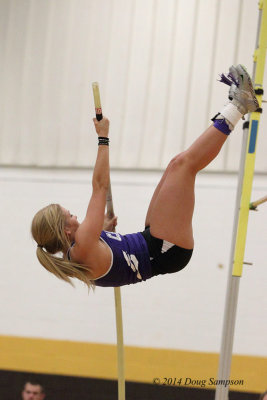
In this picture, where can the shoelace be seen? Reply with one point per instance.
(229, 79)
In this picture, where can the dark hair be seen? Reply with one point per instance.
(262, 395)
(34, 383)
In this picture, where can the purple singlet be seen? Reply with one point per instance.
(130, 260)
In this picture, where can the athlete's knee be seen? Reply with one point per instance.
(182, 160)
(178, 160)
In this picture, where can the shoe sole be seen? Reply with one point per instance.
(252, 91)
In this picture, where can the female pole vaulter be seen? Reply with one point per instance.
(90, 252)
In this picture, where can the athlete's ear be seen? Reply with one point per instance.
(67, 231)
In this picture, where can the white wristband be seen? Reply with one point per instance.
(231, 113)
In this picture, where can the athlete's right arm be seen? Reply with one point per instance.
(88, 233)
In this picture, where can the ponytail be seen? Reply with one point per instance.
(48, 231)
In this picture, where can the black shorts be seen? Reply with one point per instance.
(165, 257)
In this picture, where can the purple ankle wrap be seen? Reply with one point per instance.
(222, 125)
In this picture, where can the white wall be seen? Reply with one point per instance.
(179, 311)
(157, 63)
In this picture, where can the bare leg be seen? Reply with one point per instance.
(171, 209)
(155, 195)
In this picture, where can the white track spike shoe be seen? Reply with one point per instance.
(241, 92)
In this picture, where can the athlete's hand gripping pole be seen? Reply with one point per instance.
(117, 292)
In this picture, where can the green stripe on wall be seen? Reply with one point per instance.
(142, 364)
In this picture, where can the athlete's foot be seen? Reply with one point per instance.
(241, 92)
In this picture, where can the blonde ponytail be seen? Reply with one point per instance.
(48, 231)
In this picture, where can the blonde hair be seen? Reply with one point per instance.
(48, 231)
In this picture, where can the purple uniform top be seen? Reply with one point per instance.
(130, 261)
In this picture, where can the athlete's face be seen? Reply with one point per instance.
(71, 223)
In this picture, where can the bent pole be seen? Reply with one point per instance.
(247, 165)
(117, 292)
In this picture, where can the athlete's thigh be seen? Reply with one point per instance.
(154, 197)
(171, 216)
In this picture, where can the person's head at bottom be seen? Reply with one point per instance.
(33, 391)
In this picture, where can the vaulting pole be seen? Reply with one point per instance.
(245, 180)
(117, 292)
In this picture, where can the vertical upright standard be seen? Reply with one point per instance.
(117, 292)
(245, 180)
